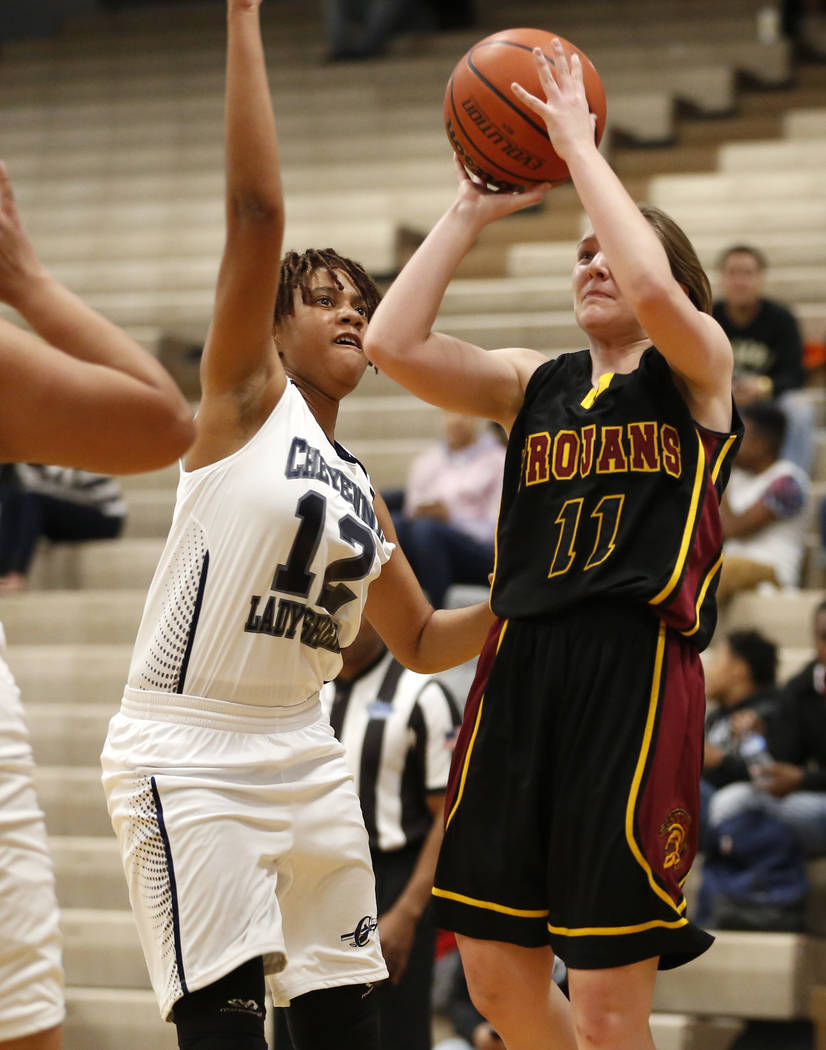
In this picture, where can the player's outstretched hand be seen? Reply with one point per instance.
(564, 109)
(489, 204)
(19, 263)
(243, 5)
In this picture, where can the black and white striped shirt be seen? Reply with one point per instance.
(101, 491)
(398, 729)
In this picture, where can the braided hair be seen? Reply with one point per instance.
(297, 270)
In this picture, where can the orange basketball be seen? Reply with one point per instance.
(499, 140)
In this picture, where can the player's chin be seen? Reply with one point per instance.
(594, 308)
(350, 369)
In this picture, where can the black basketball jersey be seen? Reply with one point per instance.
(613, 491)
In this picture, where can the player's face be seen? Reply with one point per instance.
(322, 342)
(599, 306)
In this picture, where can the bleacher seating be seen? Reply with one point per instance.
(112, 133)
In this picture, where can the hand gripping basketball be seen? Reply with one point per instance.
(501, 139)
(565, 107)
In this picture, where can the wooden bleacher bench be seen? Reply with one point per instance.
(759, 976)
(804, 248)
(805, 124)
(789, 155)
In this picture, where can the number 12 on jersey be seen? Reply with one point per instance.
(294, 576)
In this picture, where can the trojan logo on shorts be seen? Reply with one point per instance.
(359, 937)
(674, 830)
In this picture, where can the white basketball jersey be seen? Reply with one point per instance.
(265, 571)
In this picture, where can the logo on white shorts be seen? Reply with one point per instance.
(358, 937)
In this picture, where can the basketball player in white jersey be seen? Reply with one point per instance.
(78, 378)
(239, 824)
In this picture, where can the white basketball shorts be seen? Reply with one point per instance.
(31, 976)
(241, 835)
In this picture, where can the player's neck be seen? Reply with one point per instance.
(620, 357)
(322, 406)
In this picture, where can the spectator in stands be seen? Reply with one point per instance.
(741, 683)
(763, 512)
(454, 14)
(359, 29)
(397, 728)
(767, 345)
(793, 787)
(451, 503)
(58, 503)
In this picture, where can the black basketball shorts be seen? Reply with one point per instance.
(573, 806)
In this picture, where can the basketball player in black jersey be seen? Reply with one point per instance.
(580, 753)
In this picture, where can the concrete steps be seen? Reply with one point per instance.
(72, 799)
(149, 513)
(96, 169)
(72, 616)
(97, 564)
(101, 948)
(69, 734)
(115, 1019)
(785, 616)
(685, 1032)
(544, 283)
(71, 673)
(89, 875)
(757, 975)
(806, 248)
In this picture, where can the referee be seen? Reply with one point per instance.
(397, 728)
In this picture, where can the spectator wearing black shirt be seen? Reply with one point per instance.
(767, 345)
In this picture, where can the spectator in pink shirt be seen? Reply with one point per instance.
(451, 503)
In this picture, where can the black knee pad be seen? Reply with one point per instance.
(345, 1018)
(226, 1015)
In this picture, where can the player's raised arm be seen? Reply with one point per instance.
(84, 394)
(239, 345)
(691, 341)
(436, 367)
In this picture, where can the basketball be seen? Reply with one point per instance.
(500, 141)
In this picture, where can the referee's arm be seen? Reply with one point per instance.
(397, 926)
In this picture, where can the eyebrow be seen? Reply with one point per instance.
(329, 289)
